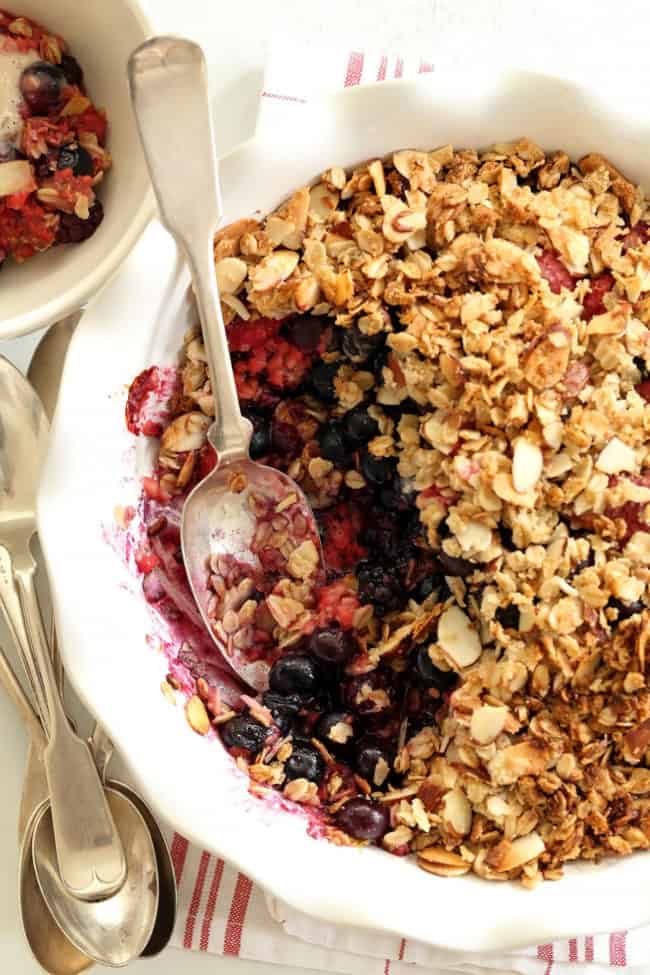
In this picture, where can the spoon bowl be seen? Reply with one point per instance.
(116, 930)
(232, 518)
(226, 516)
(51, 948)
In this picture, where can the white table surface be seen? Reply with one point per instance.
(540, 35)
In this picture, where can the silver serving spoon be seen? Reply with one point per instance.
(115, 930)
(45, 371)
(89, 851)
(222, 514)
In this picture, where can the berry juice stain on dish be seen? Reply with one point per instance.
(52, 143)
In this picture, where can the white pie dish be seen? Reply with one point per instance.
(49, 286)
(104, 621)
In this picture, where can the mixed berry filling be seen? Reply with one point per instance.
(52, 143)
(449, 352)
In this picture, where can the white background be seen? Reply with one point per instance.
(554, 34)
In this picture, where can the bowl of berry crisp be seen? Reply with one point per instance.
(437, 301)
(74, 194)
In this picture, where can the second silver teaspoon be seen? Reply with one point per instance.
(223, 513)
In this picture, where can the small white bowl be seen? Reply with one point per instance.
(101, 35)
(105, 625)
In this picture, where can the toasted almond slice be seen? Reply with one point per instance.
(442, 871)
(508, 855)
(322, 202)
(638, 548)
(274, 269)
(438, 854)
(527, 462)
(616, 457)
(197, 716)
(186, 432)
(231, 273)
(487, 723)
(458, 638)
(457, 812)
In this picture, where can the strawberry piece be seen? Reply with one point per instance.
(287, 365)
(337, 602)
(146, 561)
(555, 272)
(341, 526)
(145, 384)
(154, 490)
(593, 301)
(244, 336)
(93, 121)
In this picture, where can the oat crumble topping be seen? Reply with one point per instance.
(449, 352)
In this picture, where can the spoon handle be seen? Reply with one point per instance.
(89, 850)
(169, 91)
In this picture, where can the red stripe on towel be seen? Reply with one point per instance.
(237, 915)
(197, 894)
(383, 67)
(425, 67)
(589, 948)
(399, 68)
(178, 852)
(210, 906)
(545, 953)
(617, 953)
(354, 69)
(573, 949)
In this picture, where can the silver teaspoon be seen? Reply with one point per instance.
(225, 515)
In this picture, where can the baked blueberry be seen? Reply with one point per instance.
(331, 644)
(305, 762)
(363, 819)
(245, 732)
(295, 673)
(359, 427)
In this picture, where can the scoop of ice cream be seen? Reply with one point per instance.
(12, 65)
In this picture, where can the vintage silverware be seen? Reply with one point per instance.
(90, 855)
(45, 373)
(168, 82)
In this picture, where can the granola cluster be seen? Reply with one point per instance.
(448, 351)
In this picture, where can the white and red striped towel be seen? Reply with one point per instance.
(221, 911)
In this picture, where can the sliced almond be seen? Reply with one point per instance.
(186, 432)
(458, 638)
(400, 222)
(509, 855)
(474, 536)
(457, 811)
(435, 859)
(638, 548)
(487, 723)
(322, 202)
(231, 274)
(197, 716)
(616, 457)
(527, 463)
(376, 170)
(274, 269)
